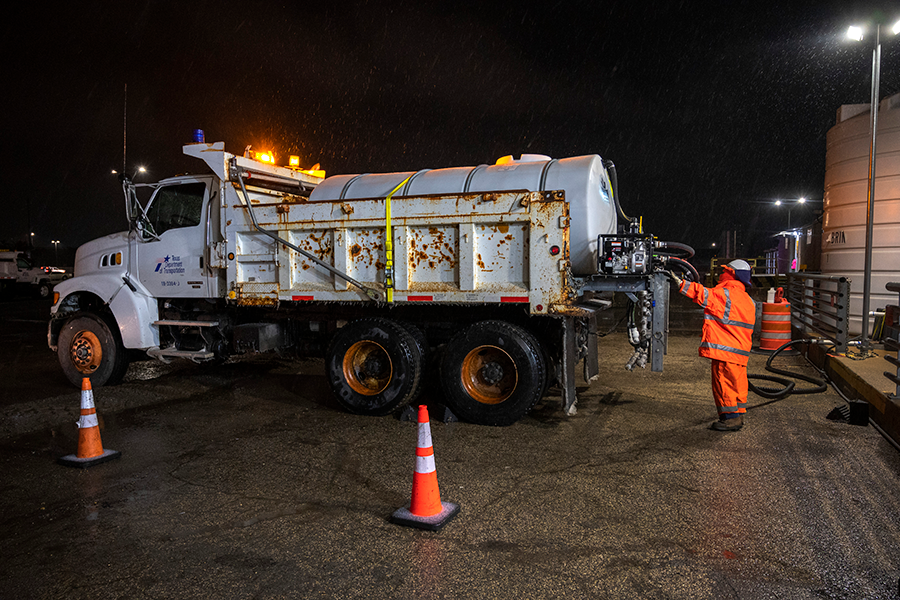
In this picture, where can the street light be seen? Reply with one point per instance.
(56, 247)
(857, 33)
(139, 170)
(790, 206)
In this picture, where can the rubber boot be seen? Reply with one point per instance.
(732, 424)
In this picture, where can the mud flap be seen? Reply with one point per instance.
(659, 339)
(591, 360)
(567, 368)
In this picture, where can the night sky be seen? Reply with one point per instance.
(710, 111)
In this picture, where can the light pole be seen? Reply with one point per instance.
(857, 33)
(790, 206)
(139, 170)
(56, 248)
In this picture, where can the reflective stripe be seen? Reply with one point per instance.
(685, 286)
(771, 317)
(424, 435)
(727, 303)
(425, 464)
(87, 399)
(729, 410)
(88, 421)
(712, 346)
(727, 322)
(776, 336)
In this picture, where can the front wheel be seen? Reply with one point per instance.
(493, 373)
(90, 347)
(43, 289)
(373, 365)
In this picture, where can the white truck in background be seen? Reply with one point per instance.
(492, 275)
(17, 272)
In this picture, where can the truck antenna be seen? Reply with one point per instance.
(124, 127)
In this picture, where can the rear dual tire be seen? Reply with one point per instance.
(374, 365)
(493, 373)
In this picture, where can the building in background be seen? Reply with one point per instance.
(796, 250)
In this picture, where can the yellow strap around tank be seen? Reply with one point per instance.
(389, 243)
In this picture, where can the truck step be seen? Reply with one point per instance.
(165, 353)
(188, 323)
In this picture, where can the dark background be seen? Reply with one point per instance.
(711, 110)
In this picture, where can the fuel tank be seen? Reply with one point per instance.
(583, 179)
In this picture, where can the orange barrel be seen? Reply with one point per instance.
(776, 325)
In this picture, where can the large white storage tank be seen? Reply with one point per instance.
(584, 179)
(846, 191)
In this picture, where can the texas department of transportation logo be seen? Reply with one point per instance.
(170, 265)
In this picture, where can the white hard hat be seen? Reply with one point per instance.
(739, 265)
(742, 271)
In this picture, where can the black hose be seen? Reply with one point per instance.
(614, 181)
(789, 386)
(674, 249)
(683, 266)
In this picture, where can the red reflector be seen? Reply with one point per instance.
(554, 250)
(419, 298)
(513, 298)
(302, 298)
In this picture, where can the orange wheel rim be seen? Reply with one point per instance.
(367, 368)
(86, 352)
(489, 374)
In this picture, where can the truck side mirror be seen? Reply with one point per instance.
(137, 218)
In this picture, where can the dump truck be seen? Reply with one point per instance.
(482, 283)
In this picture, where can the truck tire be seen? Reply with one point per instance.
(422, 345)
(373, 365)
(493, 373)
(43, 289)
(90, 347)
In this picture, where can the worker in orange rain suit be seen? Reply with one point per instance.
(729, 317)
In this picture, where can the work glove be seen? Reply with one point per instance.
(675, 278)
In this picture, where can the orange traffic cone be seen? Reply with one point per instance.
(90, 449)
(426, 511)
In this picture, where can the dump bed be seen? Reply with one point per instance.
(477, 248)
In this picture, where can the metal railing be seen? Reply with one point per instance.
(821, 303)
(892, 344)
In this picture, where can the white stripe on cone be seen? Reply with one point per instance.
(424, 435)
(87, 399)
(87, 403)
(87, 421)
(425, 464)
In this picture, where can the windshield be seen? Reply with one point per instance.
(176, 206)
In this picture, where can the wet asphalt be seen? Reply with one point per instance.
(247, 481)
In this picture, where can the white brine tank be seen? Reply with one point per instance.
(585, 181)
(846, 191)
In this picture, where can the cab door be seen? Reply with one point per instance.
(175, 264)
